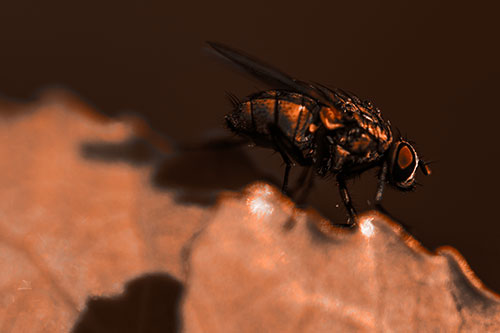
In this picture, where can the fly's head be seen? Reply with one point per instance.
(403, 164)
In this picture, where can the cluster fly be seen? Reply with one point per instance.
(330, 130)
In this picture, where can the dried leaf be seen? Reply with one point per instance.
(71, 226)
(103, 227)
(260, 265)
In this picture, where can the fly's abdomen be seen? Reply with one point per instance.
(292, 113)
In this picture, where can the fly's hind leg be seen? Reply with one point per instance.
(346, 198)
(288, 152)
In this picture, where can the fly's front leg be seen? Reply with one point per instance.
(382, 179)
(346, 198)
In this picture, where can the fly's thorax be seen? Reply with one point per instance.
(348, 138)
(376, 128)
(367, 117)
(345, 149)
(331, 117)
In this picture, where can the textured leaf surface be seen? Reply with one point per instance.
(261, 265)
(85, 218)
(72, 226)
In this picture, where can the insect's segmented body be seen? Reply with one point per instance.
(291, 112)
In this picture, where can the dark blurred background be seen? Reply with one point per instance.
(432, 67)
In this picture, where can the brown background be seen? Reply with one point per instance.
(431, 67)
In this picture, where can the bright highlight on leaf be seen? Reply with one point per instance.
(366, 228)
(258, 203)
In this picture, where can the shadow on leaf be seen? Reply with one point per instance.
(197, 173)
(134, 151)
(149, 304)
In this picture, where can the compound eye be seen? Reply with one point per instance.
(404, 164)
(405, 157)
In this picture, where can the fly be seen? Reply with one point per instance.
(331, 130)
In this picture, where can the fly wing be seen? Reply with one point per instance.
(272, 76)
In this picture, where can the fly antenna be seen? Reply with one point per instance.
(424, 166)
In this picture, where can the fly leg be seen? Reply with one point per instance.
(346, 198)
(288, 167)
(288, 152)
(382, 179)
(277, 138)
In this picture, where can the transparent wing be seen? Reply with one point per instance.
(272, 76)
